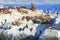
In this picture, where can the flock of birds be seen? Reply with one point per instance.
(21, 19)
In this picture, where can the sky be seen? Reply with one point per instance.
(29, 1)
(52, 1)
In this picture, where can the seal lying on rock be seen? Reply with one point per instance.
(46, 18)
(41, 19)
(23, 17)
(38, 19)
(22, 9)
(6, 10)
(16, 23)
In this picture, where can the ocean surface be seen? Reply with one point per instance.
(49, 7)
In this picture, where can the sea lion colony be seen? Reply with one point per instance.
(28, 14)
(23, 18)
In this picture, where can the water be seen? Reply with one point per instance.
(49, 7)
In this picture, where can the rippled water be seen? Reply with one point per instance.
(49, 7)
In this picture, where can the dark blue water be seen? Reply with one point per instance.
(49, 7)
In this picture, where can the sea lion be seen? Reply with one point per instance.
(23, 17)
(46, 18)
(22, 9)
(6, 10)
(16, 23)
(32, 7)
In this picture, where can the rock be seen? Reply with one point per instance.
(20, 29)
(31, 29)
(27, 18)
(26, 26)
